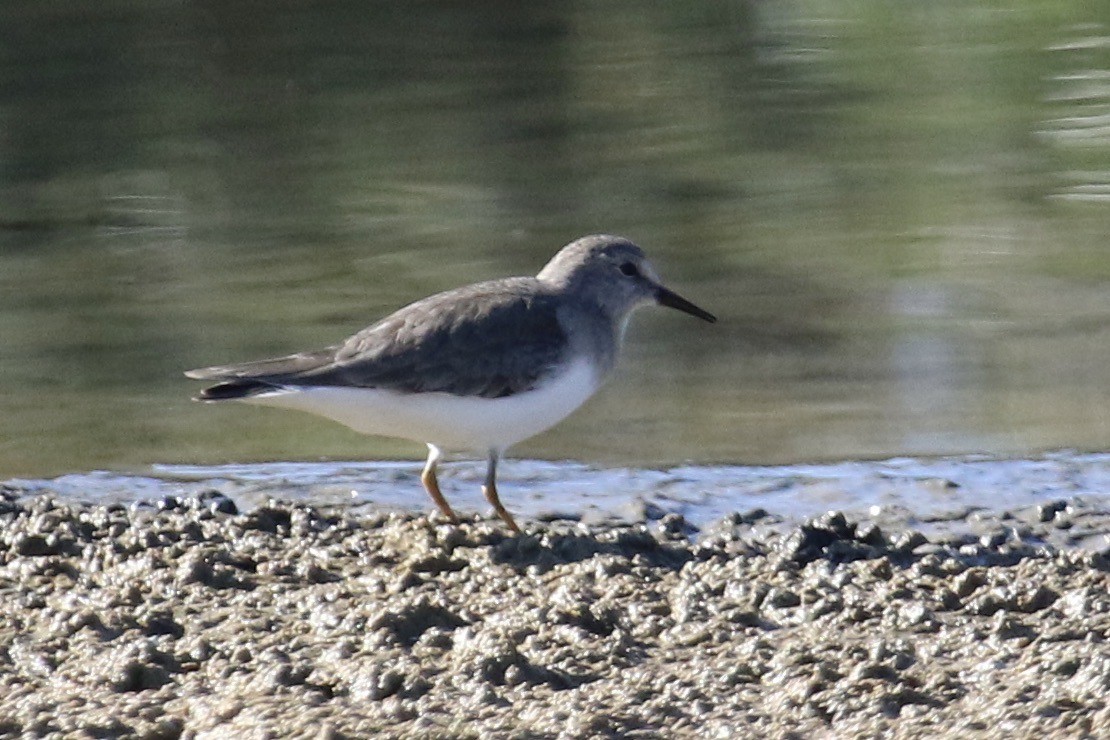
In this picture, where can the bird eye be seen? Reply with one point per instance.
(629, 269)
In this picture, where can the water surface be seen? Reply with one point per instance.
(941, 498)
(899, 212)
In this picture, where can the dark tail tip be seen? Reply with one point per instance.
(233, 389)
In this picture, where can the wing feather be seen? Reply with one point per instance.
(490, 340)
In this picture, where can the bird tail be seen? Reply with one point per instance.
(235, 389)
(250, 379)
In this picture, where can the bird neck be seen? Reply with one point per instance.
(596, 334)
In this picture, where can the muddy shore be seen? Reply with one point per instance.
(188, 618)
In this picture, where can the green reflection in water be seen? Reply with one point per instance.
(899, 212)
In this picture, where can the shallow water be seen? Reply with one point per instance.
(899, 214)
(926, 495)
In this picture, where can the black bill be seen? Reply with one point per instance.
(674, 300)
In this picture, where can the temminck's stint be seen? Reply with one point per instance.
(480, 367)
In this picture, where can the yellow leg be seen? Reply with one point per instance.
(490, 491)
(431, 483)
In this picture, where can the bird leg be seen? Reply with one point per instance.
(431, 483)
(490, 491)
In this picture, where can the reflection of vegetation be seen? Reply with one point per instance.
(187, 183)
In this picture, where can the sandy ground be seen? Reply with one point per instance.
(188, 618)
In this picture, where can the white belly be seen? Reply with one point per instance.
(442, 419)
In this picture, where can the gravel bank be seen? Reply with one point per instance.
(190, 619)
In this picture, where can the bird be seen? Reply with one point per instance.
(477, 368)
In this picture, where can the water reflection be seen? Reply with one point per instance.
(1080, 99)
(898, 213)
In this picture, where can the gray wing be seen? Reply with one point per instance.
(276, 367)
(489, 340)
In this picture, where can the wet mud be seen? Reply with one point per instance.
(189, 618)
